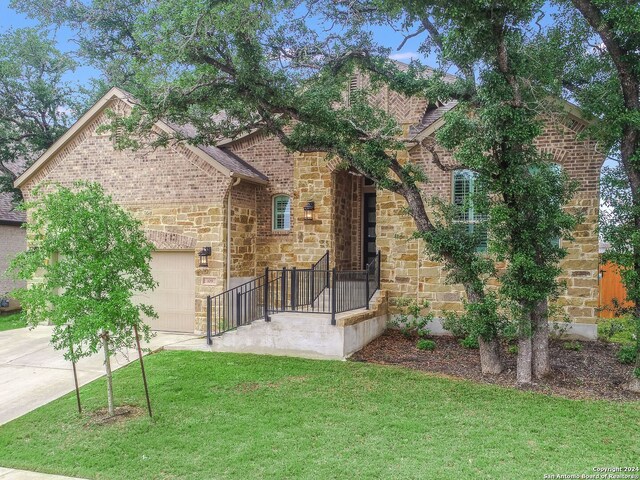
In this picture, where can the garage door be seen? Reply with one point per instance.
(174, 297)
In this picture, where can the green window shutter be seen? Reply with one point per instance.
(461, 191)
(282, 212)
(464, 187)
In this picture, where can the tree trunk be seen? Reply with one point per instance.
(107, 364)
(490, 359)
(523, 371)
(634, 382)
(540, 340)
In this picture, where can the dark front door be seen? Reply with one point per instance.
(369, 230)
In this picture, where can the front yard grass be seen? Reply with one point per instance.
(9, 321)
(255, 417)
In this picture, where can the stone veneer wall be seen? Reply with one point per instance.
(347, 218)
(313, 182)
(408, 272)
(243, 229)
(178, 196)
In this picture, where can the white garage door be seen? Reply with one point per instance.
(174, 297)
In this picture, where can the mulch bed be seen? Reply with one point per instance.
(122, 414)
(592, 373)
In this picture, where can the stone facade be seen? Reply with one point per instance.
(184, 204)
(410, 273)
(272, 248)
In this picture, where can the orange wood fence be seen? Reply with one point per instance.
(610, 288)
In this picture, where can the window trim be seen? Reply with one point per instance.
(275, 213)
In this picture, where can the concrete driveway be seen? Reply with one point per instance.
(32, 373)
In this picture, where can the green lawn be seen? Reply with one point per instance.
(11, 321)
(255, 417)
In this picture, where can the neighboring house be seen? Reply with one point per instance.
(246, 200)
(13, 240)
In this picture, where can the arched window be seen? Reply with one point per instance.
(281, 213)
(464, 189)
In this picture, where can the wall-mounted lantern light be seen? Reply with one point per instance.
(204, 255)
(308, 210)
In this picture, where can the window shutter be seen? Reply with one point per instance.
(461, 191)
(282, 212)
(464, 187)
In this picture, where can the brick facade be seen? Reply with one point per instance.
(178, 196)
(183, 202)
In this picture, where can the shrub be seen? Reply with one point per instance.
(627, 354)
(469, 342)
(513, 349)
(561, 321)
(575, 346)
(425, 344)
(618, 330)
(454, 323)
(412, 320)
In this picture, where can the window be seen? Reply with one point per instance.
(282, 212)
(464, 189)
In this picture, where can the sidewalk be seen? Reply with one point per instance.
(33, 374)
(11, 474)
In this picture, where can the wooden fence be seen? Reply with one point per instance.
(610, 288)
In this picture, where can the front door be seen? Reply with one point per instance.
(369, 230)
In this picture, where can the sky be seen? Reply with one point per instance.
(10, 19)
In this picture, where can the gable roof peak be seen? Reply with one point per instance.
(222, 160)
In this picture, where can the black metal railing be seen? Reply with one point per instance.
(314, 290)
(235, 307)
(320, 278)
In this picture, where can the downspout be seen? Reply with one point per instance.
(234, 184)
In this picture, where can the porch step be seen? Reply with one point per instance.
(290, 334)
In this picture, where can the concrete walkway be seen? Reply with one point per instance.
(11, 474)
(33, 374)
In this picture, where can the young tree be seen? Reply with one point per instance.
(37, 103)
(87, 258)
(602, 52)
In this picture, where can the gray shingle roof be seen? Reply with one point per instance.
(7, 211)
(224, 157)
(431, 116)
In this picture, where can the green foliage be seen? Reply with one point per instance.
(10, 321)
(627, 354)
(485, 317)
(37, 103)
(512, 349)
(575, 346)
(602, 49)
(618, 330)
(412, 320)
(87, 258)
(561, 321)
(426, 344)
(469, 342)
